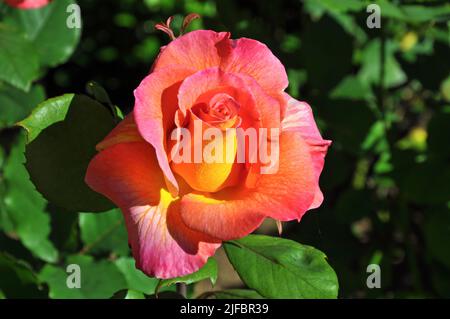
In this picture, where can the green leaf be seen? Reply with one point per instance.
(104, 232)
(371, 62)
(208, 271)
(98, 279)
(63, 132)
(98, 93)
(352, 88)
(47, 29)
(25, 207)
(19, 64)
(282, 268)
(17, 278)
(17, 104)
(445, 89)
(421, 13)
(237, 294)
(136, 279)
(317, 7)
(131, 294)
(391, 10)
(45, 114)
(64, 229)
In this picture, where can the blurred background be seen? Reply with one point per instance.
(382, 95)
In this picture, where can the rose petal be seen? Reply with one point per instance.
(196, 49)
(298, 117)
(154, 110)
(27, 4)
(214, 80)
(286, 195)
(129, 175)
(126, 131)
(204, 49)
(253, 58)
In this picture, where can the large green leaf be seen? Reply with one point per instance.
(282, 268)
(25, 207)
(47, 29)
(208, 271)
(63, 132)
(17, 104)
(104, 232)
(98, 279)
(19, 63)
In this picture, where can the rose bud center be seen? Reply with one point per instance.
(209, 149)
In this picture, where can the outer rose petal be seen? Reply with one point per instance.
(255, 59)
(286, 195)
(154, 111)
(27, 4)
(204, 49)
(125, 132)
(298, 117)
(129, 175)
(196, 49)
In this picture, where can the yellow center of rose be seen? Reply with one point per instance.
(212, 144)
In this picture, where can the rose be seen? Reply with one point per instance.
(177, 214)
(27, 4)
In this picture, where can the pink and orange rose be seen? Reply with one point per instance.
(177, 214)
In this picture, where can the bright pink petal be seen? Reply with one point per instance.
(154, 111)
(205, 49)
(27, 4)
(298, 117)
(253, 58)
(129, 175)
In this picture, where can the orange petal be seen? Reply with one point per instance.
(234, 213)
(125, 132)
(163, 246)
